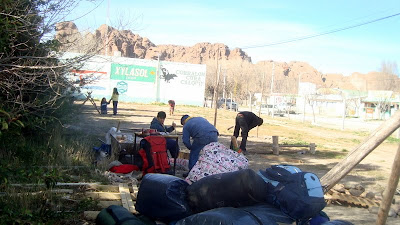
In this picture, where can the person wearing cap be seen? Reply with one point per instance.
(158, 124)
(202, 133)
(245, 121)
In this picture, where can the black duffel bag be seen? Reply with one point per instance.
(163, 197)
(233, 189)
(226, 216)
(117, 215)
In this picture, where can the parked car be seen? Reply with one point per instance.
(230, 104)
(287, 108)
(269, 109)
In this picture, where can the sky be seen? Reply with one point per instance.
(260, 26)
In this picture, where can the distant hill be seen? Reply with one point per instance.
(128, 44)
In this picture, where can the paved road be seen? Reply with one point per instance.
(356, 124)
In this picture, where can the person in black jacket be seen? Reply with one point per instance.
(158, 124)
(245, 121)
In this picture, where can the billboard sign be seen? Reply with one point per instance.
(133, 72)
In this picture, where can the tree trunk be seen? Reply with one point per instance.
(390, 190)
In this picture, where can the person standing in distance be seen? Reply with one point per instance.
(171, 107)
(245, 121)
(114, 99)
(202, 133)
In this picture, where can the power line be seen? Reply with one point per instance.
(320, 34)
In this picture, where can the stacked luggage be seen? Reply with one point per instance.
(233, 194)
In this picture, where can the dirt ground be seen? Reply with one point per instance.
(332, 146)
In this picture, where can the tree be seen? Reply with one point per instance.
(388, 82)
(32, 78)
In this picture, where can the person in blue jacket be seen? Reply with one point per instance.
(158, 124)
(202, 133)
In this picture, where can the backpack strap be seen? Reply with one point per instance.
(277, 173)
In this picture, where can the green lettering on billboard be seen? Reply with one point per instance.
(133, 73)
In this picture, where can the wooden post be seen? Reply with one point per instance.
(119, 123)
(389, 191)
(360, 152)
(275, 145)
(312, 148)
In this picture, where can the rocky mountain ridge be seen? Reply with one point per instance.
(110, 41)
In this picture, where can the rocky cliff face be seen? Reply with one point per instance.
(107, 40)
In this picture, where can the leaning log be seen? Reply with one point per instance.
(389, 191)
(341, 169)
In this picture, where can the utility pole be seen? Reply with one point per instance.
(272, 88)
(251, 107)
(344, 110)
(223, 96)
(223, 93)
(216, 90)
(216, 95)
(157, 79)
(262, 93)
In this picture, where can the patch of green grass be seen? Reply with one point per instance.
(356, 141)
(345, 150)
(361, 133)
(46, 159)
(392, 140)
(43, 207)
(158, 103)
(294, 142)
(330, 154)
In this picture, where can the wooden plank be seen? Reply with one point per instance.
(104, 195)
(123, 193)
(57, 184)
(105, 204)
(126, 197)
(134, 191)
(90, 215)
(103, 188)
(56, 191)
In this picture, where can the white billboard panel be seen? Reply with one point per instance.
(136, 79)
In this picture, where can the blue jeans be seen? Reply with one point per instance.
(172, 147)
(115, 104)
(197, 146)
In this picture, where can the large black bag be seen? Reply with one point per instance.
(232, 189)
(226, 216)
(265, 210)
(117, 215)
(163, 197)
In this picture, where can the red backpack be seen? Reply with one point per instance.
(154, 155)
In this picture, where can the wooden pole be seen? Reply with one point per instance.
(312, 148)
(119, 124)
(275, 145)
(341, 169)
(390, 190)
